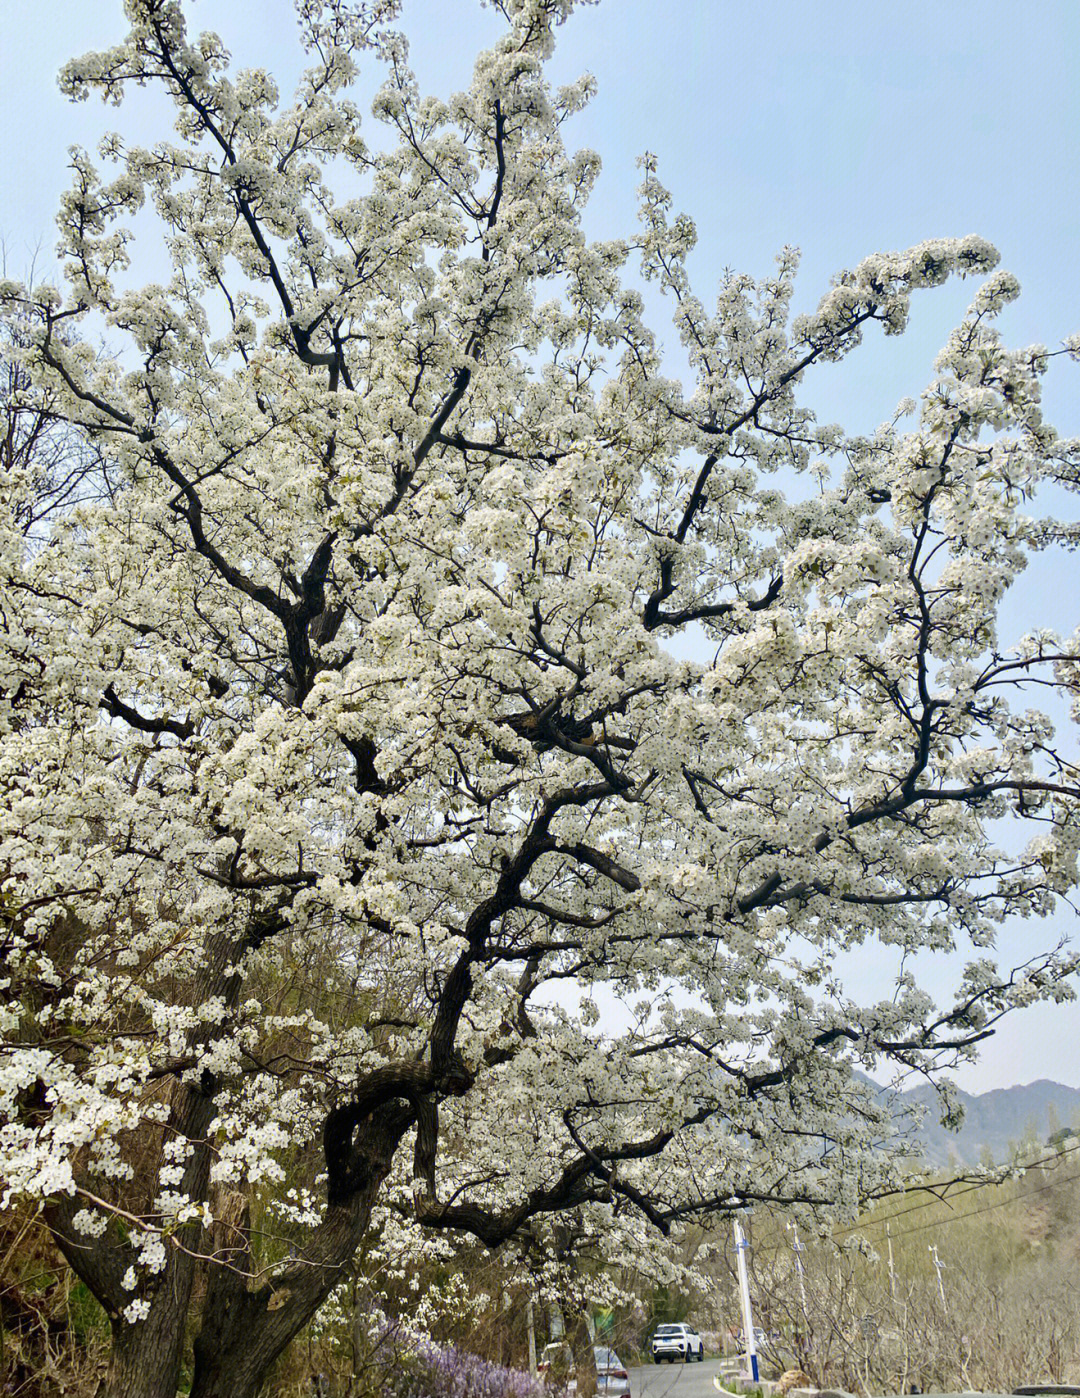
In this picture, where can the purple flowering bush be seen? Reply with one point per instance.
(400, 1364)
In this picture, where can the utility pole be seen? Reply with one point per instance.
(744, 1290)
(803, 1343)
(530, 1327)
(892, 1274)
(797, 1248)
(938, 1267)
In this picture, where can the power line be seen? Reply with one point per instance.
(958, 1194)
(986, 1208)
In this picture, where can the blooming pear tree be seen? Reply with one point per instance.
(349, 764)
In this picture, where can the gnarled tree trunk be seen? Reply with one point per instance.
(247, 1323)
(146, 1353)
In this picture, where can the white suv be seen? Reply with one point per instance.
(673, 1342)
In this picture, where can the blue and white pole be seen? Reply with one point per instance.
(744, 1290)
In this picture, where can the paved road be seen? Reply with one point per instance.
(674, 1380)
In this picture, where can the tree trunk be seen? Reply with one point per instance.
(145, 1358)
(146, 1354)
(245, 1327)
(247, 1324)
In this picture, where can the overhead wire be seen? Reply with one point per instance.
(944, 1198)
(986, 1208)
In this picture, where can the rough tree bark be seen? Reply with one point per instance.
(247, 1323)
(145, 1357)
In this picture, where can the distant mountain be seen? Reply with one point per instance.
(998, 1121)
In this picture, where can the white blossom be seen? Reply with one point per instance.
(444, 756)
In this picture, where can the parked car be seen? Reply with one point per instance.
(762, 1339)
(612, 1380)
(673, 1342)
(556, 1367)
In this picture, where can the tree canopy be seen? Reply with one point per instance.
(346, 716)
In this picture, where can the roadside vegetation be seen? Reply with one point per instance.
(1007, 1310)
(1003, 1310)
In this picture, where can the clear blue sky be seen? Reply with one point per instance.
(842, 127)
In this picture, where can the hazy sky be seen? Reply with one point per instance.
(838, 126)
